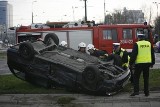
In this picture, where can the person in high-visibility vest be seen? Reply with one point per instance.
(143, 58)
(122, 53)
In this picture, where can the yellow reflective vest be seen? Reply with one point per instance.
(121, 55)
(144, 52)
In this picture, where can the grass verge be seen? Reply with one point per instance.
(154, 81)
(9, 84)
(12, 85)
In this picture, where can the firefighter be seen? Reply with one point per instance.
(82, 47)
(143, 58)
(63, 43)
(122, 53)
(95, 52)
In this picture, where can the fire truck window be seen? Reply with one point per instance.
(114, 35)
(127, 33)
(110, 34)
(107, 34)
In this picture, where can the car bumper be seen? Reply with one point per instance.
(109, 87)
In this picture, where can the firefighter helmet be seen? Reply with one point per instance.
(63, 43)
(90, 46)
(81, 45)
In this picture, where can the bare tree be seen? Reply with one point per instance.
(157, 25)
(125, 17)
(147, 13)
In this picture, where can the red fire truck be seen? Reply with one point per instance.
(102, 36)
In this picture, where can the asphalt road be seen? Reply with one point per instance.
(5, 70)
(157, 57)
(4, 67)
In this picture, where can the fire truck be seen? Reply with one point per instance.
(101, 36)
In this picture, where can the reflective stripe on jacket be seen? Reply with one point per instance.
(144, 52)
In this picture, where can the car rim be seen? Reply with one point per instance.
(90, 75)
(50, 41)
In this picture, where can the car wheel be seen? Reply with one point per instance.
(11, 69)
(26, 50)
(91, 77)
(18, 74)
(51, 38)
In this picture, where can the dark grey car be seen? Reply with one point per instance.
(47, 64)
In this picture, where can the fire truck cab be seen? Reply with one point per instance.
(102, 36)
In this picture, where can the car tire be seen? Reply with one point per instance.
(26, 50)
(50, 38)
(91, 77)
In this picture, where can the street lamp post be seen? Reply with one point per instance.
(157, 6)
(32, 11)
(73, 12)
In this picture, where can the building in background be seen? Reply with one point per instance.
(125, 17)
(134, 16)
(6, 14)
(6, 21)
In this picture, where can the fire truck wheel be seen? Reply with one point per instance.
(51, 38)
(91, 77)
(26, 50)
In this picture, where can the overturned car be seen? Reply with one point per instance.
(47, 64)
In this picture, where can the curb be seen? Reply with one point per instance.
(79, 98)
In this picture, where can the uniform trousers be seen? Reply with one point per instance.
(139, 68)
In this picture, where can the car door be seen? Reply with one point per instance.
(107, 38)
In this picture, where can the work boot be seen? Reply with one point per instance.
(146, 94)
(135, 93)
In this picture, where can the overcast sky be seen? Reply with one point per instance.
(71, 10)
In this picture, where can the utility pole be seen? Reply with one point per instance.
(85, 6)
(32, 11)
(104, 10)
(85, 3)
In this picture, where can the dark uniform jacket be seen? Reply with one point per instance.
(98, 53)
(124, 57)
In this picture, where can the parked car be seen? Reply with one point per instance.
(47, 64)
(157, 47)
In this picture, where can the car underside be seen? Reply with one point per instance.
(50, 65)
